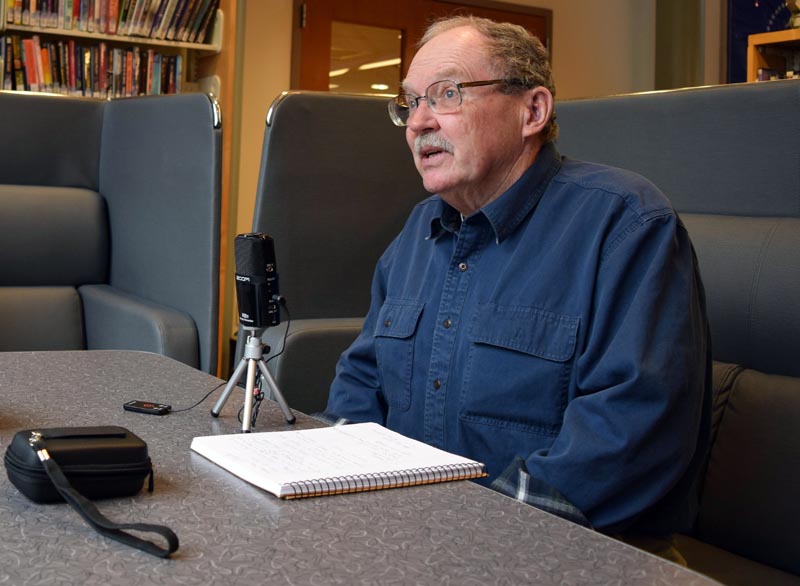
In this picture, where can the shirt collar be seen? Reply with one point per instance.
(507, 211)
(445, 219)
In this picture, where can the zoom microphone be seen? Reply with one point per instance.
(256, 281)
(258, 300)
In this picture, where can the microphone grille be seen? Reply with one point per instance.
(253, 253)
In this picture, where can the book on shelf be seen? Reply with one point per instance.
(333, 460)
(7, 61)
(122, 16)
(37, 62)
(91, 16)
(134, 14)
(47, 73)
(160, 27)
(99, 17)
(200, 9)
(142, 10)
(112, 13)
(199, 31)
(147, 26)
(180, 10)
(35, 15)
(126, 25)
(155, 19)
(171, 20)
(29, 62)
(20, 77)
(95, 70)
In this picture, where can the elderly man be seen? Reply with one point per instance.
(540, 314)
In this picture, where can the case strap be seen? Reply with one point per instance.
(94, 517)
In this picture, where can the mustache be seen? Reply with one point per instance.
(431, 140)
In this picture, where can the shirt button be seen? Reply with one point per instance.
(462, 266)
(387, 323)
(437, 384)
(447, 323)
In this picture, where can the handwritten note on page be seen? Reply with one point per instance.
(278, 461)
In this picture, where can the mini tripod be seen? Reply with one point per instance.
(253, 357)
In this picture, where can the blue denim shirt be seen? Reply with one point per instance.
(560, 329)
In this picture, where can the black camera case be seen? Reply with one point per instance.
(99, 462)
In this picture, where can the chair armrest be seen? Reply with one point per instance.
(118, 320)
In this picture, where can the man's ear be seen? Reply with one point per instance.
(539, 104)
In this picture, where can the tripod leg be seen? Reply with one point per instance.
(247, 416)
(237, 374)
(287, 413)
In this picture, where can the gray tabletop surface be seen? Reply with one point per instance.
(457, 533)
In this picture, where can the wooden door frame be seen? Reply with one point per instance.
(408, 48)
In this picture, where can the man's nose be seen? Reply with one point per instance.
(422, 118)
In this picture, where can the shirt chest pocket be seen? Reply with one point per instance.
(519, 367)
(395, 333)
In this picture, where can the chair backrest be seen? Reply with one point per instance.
(122, 193)
(729, 149)
(732, 174)
(337, 183)
(50, 141)
(160, 173)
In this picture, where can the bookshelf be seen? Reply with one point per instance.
(107, 48)
(776, 52)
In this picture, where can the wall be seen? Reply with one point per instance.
(714, 31)
(266, 69)
(601, 48)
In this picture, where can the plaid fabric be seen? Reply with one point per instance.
(516, 482)
(329, 419)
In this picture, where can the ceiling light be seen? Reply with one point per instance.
(338, 72)
(379, 64)
(379, 86)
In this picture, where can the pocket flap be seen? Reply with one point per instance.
(398, 319)
(527, 329)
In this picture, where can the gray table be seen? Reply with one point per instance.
(232, 533)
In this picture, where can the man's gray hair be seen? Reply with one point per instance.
(517, 54)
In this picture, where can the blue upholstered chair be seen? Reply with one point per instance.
(109, 224)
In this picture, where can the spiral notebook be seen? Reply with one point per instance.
(333, 460)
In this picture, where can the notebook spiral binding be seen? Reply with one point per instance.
(366, 482)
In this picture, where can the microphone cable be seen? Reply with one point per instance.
(260, 395)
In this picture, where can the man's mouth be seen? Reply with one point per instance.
(431, 152)
(429, 146)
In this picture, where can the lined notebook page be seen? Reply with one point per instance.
(332, 459)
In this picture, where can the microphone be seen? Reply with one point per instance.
(256, 281)
(258, 300)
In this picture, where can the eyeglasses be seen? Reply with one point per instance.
(443, 97)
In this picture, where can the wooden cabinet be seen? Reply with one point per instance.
(778, 51)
